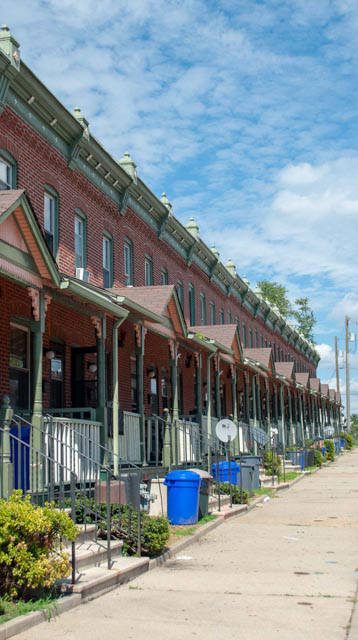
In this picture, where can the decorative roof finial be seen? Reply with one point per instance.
(168, 205)
(10, 46)
(193, 228)
(129, 166)
(231, 268)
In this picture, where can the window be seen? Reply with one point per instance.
(251, 339)
(107, 261)
(244, 334)
(134, 383)
(51, 220)
(274, 351)
(164, 388)
(191, 292)
(180, 292)
(221, 317)
(257, 337)
(7, 171)
(212, 313)
(128, 263)
(266, 343)
(237, 321)
(229, 317)
(80, 241)
(202, 309)
(19, 367)
(148, 271)
(163, 276)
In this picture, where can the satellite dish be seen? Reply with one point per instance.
(225, 430)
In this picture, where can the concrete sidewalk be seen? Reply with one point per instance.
(287, 570)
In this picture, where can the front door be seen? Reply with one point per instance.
(84, 377)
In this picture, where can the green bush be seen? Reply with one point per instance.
(31, 554)
(124, 525)
(225, 489)
(329, 444)
(268, 464)
(318, 458)
(348, 438)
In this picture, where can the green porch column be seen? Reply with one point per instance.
(209, 407)
(199, 385)
(115, 395)
(268, 410)
(101, 413)
(258, 396)
(217, 387)
(302, 424)
(247, 398)
(6, 467)
(310, 416)
(236, 442)
(175, 399)
(254, 408)
(139, 351)
(282, 424)
(38, 328)
(290, 434)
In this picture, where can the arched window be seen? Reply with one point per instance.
(51, 219)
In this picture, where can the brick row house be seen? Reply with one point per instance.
(112, 311)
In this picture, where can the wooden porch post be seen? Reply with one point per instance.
(6, 467)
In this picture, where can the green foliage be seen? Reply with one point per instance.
(225, 489)
(276, 294)
(348, 438)
(305, 318)
(318, 458)
(31, 555)
(290, 475)
(329, 444)
(124, 525)
(10, 609)
(277, 468)
(354, 418)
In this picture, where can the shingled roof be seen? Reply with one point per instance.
(315, 384)
(8, 199)
(285, 369)
(262, 356)
(303, 378)
(224, 334)
(325, 389)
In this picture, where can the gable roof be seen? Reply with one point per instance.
(261, 356)
(158, 303)
(324, 389)
(332, 394)
(285, 369)
(315, 384)
(225, 335)
(34, 250)
(303, 379)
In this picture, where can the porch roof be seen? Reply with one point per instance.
(225, 337)
(324, 389)
(303, 379)
(332, 394)
(315, 384)
(262, 357)
(285, 370)
(159, 304)
(23, 245)
(92, 295)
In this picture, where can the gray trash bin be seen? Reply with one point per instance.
(247, 477)
(255, 461)
(205, 490)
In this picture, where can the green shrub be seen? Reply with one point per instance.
(31, 555)
(268, 464)
(318, 458)
(349, 441)
(124, 525)
(225, 489)
(308, 443)
(329, 444)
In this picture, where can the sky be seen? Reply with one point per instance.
(243, 111)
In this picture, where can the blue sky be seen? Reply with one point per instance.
(243, 111)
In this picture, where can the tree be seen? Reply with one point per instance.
(276, 294)
(354, 418)
(305, 318)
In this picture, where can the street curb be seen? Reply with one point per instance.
(29, 620)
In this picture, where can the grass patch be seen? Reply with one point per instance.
(290, 475)
(208, 518)
(178, 531)
(311, 468)
(263, 492)
(12, 609)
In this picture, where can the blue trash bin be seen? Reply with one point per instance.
(343, 443)
(183, 496)
(226, 475)
(323, 450)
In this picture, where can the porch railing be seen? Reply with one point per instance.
(74, 443)
(129, 442)
(78, 413)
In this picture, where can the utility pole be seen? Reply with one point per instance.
(336, 352)
(348, 390)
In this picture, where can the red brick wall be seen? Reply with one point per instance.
(40, 164)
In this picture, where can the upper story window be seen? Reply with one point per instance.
(257, 337)
(244, 335)
(148, 271)
(202, 309)
(180, 292)
(266, 342)
(262, 341)
(191, 292)
(229, 317)
(163, 276)
(128, 263)
(212, 313)
(51, 220)
(251, 339)
(7, 171)
(221, 316)
(107, 261)
(80, 241)
(237, 322)
(274, 351)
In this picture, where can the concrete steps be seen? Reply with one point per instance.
(93, 578)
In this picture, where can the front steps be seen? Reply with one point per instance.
(93, 578)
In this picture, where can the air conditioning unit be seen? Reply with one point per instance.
(82, 274)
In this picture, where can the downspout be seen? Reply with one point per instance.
(208, 391)
(115, 403)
